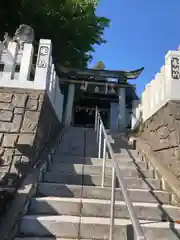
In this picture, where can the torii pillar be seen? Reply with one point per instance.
(69, 104)
(122, 110)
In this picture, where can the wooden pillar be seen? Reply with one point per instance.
(122, 110)
(69, 104)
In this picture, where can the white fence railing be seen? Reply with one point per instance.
(19, 69)
(163, 88)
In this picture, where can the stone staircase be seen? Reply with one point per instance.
(71, 204)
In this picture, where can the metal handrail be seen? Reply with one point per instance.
(99, 128)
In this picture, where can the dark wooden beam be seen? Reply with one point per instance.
(119, 85)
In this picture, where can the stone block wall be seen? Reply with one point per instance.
(27, 122)
(162, 132)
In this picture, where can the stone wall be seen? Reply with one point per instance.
(162, 132)
(27, 122)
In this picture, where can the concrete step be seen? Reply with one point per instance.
(65, 178)
(95, 180)
(92, 228)
(137, 195)
(94, 169)
(55, 206)
(47, 226)
(89, 174)
(43, 238)
(124, 162)
(125, 153)
(101, 208)
(70, 159)
(46, 238)
(91, 160)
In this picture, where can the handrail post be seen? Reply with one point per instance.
(100, 140)
(49, 160)
(98, 122)
(112, 204)
(104, 163)
(95, 123)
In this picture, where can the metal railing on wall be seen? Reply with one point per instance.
(104, 143)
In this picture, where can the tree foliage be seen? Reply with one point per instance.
(72, 25)
(99, 65)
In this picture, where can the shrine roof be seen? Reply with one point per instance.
(96, 74)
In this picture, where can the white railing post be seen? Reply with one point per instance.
(104, 163)
(172, 74)
(54, 87)
(9, 67)
(26, 62)
(50, 82)
(95, 123)
(98, 122)
(43, 63)
(100, 140)
(61, 105)
(112, 204)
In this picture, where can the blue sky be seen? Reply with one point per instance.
(140, 34)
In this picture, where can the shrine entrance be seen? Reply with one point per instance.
(84, 110)
(83, 117)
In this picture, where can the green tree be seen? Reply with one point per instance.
(72, 25)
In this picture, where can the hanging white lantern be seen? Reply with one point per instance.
(96, 90)
(106, 89)
(90, 111)
(84, 86)
(112, 90)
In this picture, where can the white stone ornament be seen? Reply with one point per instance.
(175, 68)
(44, 50)
(42, 60)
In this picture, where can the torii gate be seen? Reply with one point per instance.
(98, 79)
